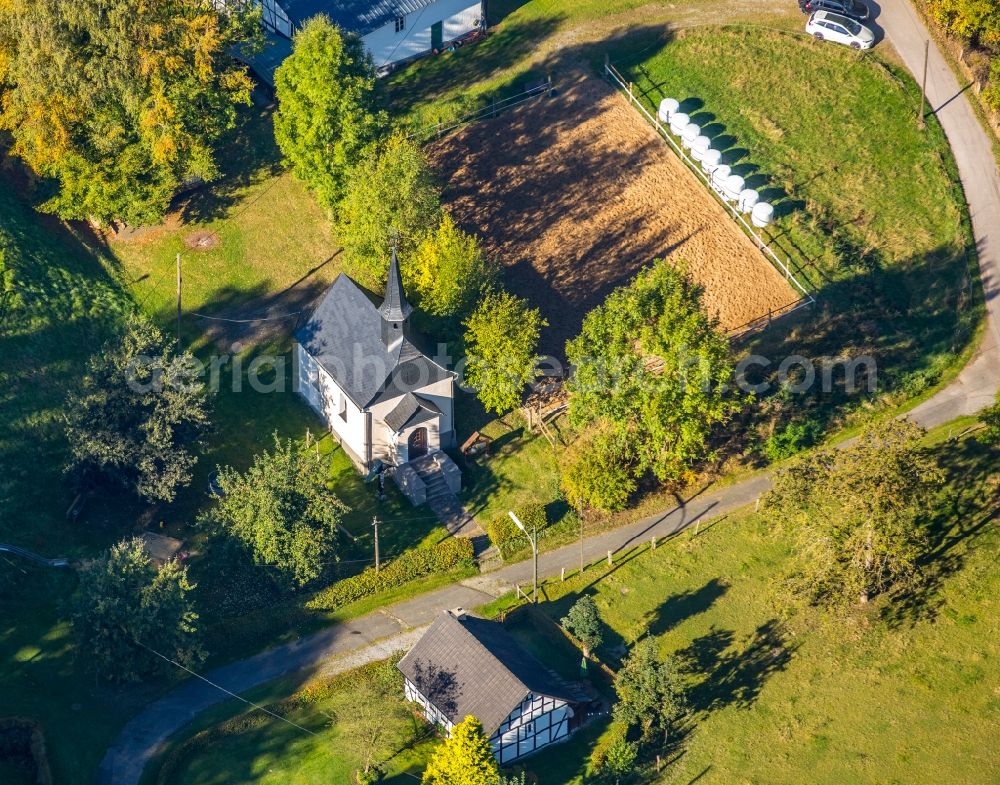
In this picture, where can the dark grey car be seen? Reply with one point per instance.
(855, 9)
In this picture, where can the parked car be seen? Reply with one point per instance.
(855, 9)
(824, 25)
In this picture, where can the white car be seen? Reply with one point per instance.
(828, 26)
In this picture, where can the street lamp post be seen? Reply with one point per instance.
(533, 539)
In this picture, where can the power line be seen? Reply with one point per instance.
(228, 692)
(245, 321)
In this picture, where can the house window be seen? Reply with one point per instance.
(342, 409)
(400, 24)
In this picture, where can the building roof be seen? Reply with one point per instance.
(359, 16)
(467, 665)
(411, 410)
(345, 336)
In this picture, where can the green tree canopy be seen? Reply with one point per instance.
(450, 270)
(465, 758)
(326, 108)
(391, 197)
(501, 345)
(857, 513)
(990, 418)
(596, 471)
(282, 511)
(650, 692)
(138, 416)
(584, 622)
(656, 369)
(121, 102)
(124, 607)
(976, 21)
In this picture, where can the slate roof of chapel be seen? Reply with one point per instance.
(344, 335)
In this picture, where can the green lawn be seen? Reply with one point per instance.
(869, 208)
(911, 697)
(256, 748)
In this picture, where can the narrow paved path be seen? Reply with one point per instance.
(375, 636)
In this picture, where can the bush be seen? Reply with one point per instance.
(596, 472)
(509, 539)
(793, 438)
(417, 563)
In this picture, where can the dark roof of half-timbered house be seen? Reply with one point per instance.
(467, 665)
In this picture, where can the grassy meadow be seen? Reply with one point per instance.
(905, 692)
(908, 693)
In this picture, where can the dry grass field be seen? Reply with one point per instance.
(574, 194)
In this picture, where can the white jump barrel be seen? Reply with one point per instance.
(691, 132)
(667, 108)
(710, 160)
(761, 214)
(748, 199)
(699, 147)
(678, 122)
(719, 177)
(734, 187)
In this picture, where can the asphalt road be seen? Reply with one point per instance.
(375, 636)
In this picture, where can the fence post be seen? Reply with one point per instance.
(630, 99)
(562, 575)
(652, 542)
(609, 558)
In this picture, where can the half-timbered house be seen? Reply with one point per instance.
(464, 665)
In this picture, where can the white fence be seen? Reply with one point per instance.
(784, 267)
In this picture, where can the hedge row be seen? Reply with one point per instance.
(412, 564)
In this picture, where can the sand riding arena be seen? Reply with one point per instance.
(575, 193)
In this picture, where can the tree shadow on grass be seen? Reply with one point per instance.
(250, 156)
(684, 605)
(734, 677)
(969, 511)
(429, 77)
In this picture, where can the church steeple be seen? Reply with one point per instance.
(394, 306)
(395, 309)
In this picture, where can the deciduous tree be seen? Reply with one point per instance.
(856, 514)
(139, 415)
(368, 728)
(391, 198)
(653, 367)
(450, 270)
(466, 758)
(584, 622)
(650, 692)
(326, 109)
(596, 470)
(990, 418)
(124, 608)
(282, 511)
(121, 102)
(501, 343)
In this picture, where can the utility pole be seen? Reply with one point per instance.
(533, 539)
(378, 564)
(178, 303)
(923, 86)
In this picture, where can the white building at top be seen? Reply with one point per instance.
(393, 31)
